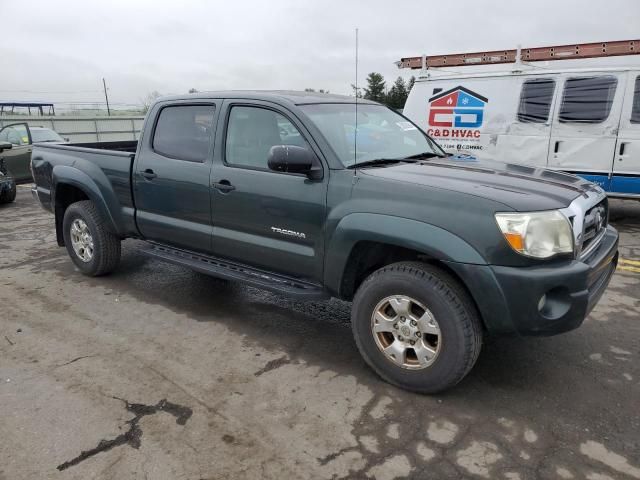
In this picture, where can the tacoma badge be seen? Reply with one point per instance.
(289, 233)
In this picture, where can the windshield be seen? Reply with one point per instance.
(45, 135)
(382, 133)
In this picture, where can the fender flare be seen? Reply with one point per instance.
(99, 192)
(431, 240)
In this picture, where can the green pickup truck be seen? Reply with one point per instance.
(313, 195)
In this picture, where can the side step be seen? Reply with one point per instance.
(235, 271)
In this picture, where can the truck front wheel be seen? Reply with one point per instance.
(416, 326)
(93, 248)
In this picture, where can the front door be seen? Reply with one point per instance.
(269, 219)
(625, 178)
(172, 175)
(17, 160)
(585, 125)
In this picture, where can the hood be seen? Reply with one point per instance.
(523, 188)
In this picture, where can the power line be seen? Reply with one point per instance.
(52, 92)
(100, 103)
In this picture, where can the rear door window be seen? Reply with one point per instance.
(635, 108)
(535, 100)
(587, 99)
(184, 132)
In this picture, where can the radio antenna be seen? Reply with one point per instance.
(355, 132)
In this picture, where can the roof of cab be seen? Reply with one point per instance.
(279, 96)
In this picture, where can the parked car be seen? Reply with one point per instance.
(23, 137)
(435, 251)
(7, 183)
(580, 120)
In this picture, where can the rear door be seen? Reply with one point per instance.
(171, 175)
(585, 125)
(264, 218)
(18, 158)
(626, 163)
(526, 140)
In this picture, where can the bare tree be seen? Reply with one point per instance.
(312, 90)
(148, 100)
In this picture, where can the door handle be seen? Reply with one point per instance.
(149, 174)
(623, 146)
(556, 146)
(223, 186)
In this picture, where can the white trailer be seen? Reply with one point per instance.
(580, 120)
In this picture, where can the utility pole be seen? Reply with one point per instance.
(106, 97)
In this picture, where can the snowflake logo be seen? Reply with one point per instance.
(465, 100)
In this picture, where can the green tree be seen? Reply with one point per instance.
(397, 95)
(193, 90)
(410, 84)
(357, 91)
(375, 89)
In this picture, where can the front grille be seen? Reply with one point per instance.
(595, 224)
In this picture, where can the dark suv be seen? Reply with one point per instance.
(7, 183)
(23, 137)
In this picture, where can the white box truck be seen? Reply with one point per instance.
(582, 120)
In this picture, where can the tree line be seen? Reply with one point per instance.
(376, 90)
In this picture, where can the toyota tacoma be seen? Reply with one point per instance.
(316, 196)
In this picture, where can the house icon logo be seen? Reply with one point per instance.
(457, 108)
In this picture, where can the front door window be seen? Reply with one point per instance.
(15, 134)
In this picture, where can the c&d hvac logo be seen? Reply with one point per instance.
(456, 113)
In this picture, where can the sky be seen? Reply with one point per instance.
(59, 50)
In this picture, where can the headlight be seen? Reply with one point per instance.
(537, 234)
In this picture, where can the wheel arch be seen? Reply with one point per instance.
(70, 185)
(357, 249)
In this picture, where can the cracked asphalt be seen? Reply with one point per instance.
(157, 372)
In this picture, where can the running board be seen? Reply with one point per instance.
(217, 267)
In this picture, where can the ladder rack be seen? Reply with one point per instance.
(534, 54)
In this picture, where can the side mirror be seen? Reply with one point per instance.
(294, 159)
(5, 146)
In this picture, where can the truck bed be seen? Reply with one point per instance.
(111, 180)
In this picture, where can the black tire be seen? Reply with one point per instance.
(10, 196)
(451, 306)
(106, 245)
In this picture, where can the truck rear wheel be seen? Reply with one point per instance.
(93, 248)
(416, 327)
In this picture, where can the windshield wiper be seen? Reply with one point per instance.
(379, 161)
(425, 155)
